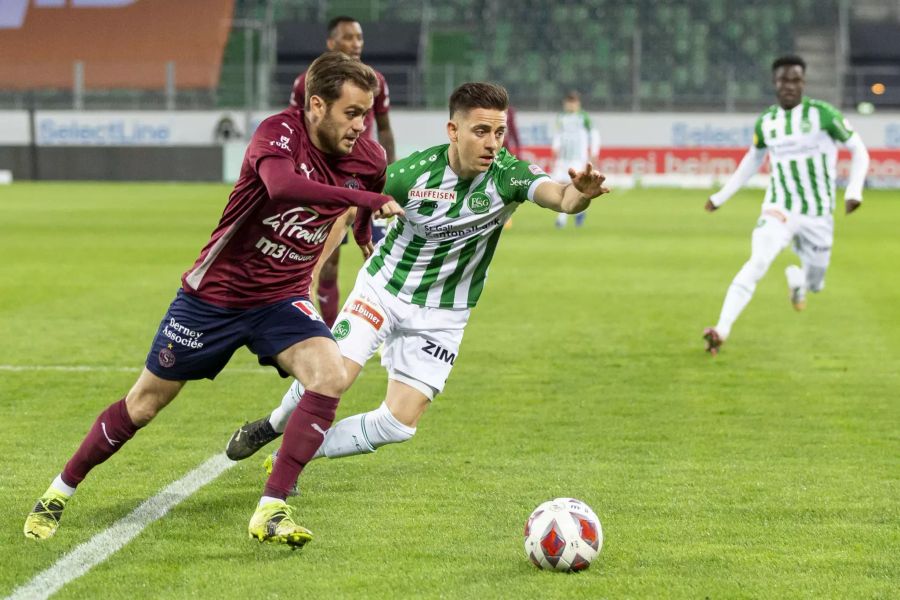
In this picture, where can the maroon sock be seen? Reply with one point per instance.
(110, 431)
(328, 295)
(303, 435)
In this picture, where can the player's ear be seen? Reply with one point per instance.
(317, 105)
(453, 131)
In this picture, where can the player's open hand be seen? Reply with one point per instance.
(709, 206)
(850, 205)
(589, 182)
(391, 209)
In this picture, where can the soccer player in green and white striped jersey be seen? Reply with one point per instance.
(801, 137)
(416, 291)
(575, 142)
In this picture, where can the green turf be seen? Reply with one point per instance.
(770, 471)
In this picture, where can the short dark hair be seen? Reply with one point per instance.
(332, 24)
(789, 60)
(478, 95)
(328, 73)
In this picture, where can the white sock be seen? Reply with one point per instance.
(60, 486)
(815, 278)
(268, 499)
(736, 300)
(279, 417)
(796, 278)
(363, 433)
(744, 284)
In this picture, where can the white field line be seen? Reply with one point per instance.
(100, 547)
(102, 369)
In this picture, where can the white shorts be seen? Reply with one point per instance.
(420, 343)
(812, 236)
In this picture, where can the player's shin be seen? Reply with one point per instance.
(302, 437)
(364, 433)
(108, 434)
(279, 417)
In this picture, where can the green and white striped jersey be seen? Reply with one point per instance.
(438, 254)
(803, 155)
(575, 140)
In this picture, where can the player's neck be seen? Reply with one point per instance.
(791, 106)
(313, 132)
(456, 164)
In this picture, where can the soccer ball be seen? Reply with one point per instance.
(563, 535)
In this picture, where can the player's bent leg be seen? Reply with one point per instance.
(117, 424)
(318, 364)
(796, 282)
(815, 278)
(770, 237)
(149, 395)
(391, 423)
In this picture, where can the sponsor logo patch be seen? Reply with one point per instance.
(535, 170)
(479, 203)
(283, 143)
(519, 182)
(432, 194)
(439, 352)
(341, 329)
(306, 307)
(368, 313)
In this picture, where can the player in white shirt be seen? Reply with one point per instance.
(416, 291)
(575, 142)
(801, 137)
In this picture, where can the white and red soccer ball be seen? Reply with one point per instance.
(563, 535)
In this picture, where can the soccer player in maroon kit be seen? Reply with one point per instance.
(249, 287)
(345, 35)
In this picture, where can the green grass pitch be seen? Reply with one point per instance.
(772, 470)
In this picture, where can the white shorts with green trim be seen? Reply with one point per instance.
(420, 343)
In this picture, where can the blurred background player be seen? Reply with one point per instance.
(575, 142)
(345, 35)
(801, 136)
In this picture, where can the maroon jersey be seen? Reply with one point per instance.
(263, 250)
(381, 106)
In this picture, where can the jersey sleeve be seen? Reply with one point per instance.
(382, 102)
(759, 140)
(274, 137)
(517, 182)
(397, 180)
(833, 122)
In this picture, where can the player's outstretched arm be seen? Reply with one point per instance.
(574, 197)
(859, 166)
(284, 183)
(750, 164)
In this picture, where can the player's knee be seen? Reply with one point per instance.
(756, 268)
(144, 404)
(329, 379)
